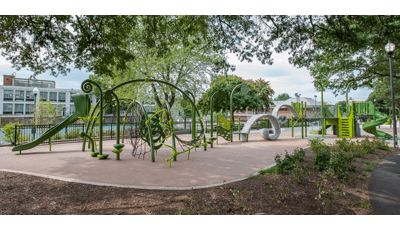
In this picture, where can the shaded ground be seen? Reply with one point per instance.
(263, 194)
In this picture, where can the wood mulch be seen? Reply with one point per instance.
(263, 194)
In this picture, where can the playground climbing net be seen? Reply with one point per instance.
(133, 120)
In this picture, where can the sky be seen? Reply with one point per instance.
(284, 78)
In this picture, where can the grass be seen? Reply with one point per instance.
(273, 170)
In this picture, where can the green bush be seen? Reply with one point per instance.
(321, 160)
(341, 164)
(9, 133)
(58, 136)
(72, 134)
(289, 162)
(317, 145)
(315, 132)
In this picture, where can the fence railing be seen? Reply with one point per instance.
(28, 133)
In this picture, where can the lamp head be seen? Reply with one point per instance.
(35, 91)
(390, 47)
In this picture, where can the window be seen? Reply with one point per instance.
(8, 95)
(70, 95)
(7, 108)
(59, 109)
(44, 95)
(19, 109)
(53, 96)
(72, 109)
(19, 95)
(61, 97)
(30, 96)
(29, 108)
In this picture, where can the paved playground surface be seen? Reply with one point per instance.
(227, 161)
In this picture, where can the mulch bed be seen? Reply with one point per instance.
(263, 194)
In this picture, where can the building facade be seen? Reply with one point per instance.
(17, 101)
(313, 107)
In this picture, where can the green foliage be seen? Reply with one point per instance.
(72, 134)
(383, 92)
(289, 162)
(273, 170)
(58, 136)
(263, 124)
(45, 113)
(322, 158)
(282, 97)
(315, 132)
(9, 133)
(251, 100)
(337, 160)
(341, 164)
(318, 145)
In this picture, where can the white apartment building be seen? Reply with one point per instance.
(17, 99)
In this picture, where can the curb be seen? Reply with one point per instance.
(134, 186)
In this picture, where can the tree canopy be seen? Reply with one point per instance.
(339, 49)
(282, 97)
(257, 97)
(100, 43)
(382, 93)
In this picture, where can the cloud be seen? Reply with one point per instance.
(285, 78)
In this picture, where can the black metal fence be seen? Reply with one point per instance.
(28, 133)
(185, 127)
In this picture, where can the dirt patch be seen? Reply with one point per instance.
(296, 193)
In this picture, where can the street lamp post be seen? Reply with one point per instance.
(390, 47)
(315, 102)
(35, 93)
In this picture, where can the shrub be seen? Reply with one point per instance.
(9, 133)
(381, 144)
(322, 159)
(289, 162)
(341, 164)
(317, 145)
(58, 136)
(72, 134)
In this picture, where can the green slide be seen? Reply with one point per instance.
(371, 126)
(82, 107)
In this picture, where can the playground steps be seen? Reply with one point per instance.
(346, 127)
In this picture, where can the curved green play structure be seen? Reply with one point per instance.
(82, 107)
(368, 108)
(155, 128)
(345, 123)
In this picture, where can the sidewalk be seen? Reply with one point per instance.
(385, 186)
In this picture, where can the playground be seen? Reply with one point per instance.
(148, 154)
(66, 181)
(227, 161)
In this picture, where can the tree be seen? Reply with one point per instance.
(344, 49)
(101, 43)
(257, 97)
(185, 66)
(45, 113)
(9, 133)
(382, 93)
(282, 97)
